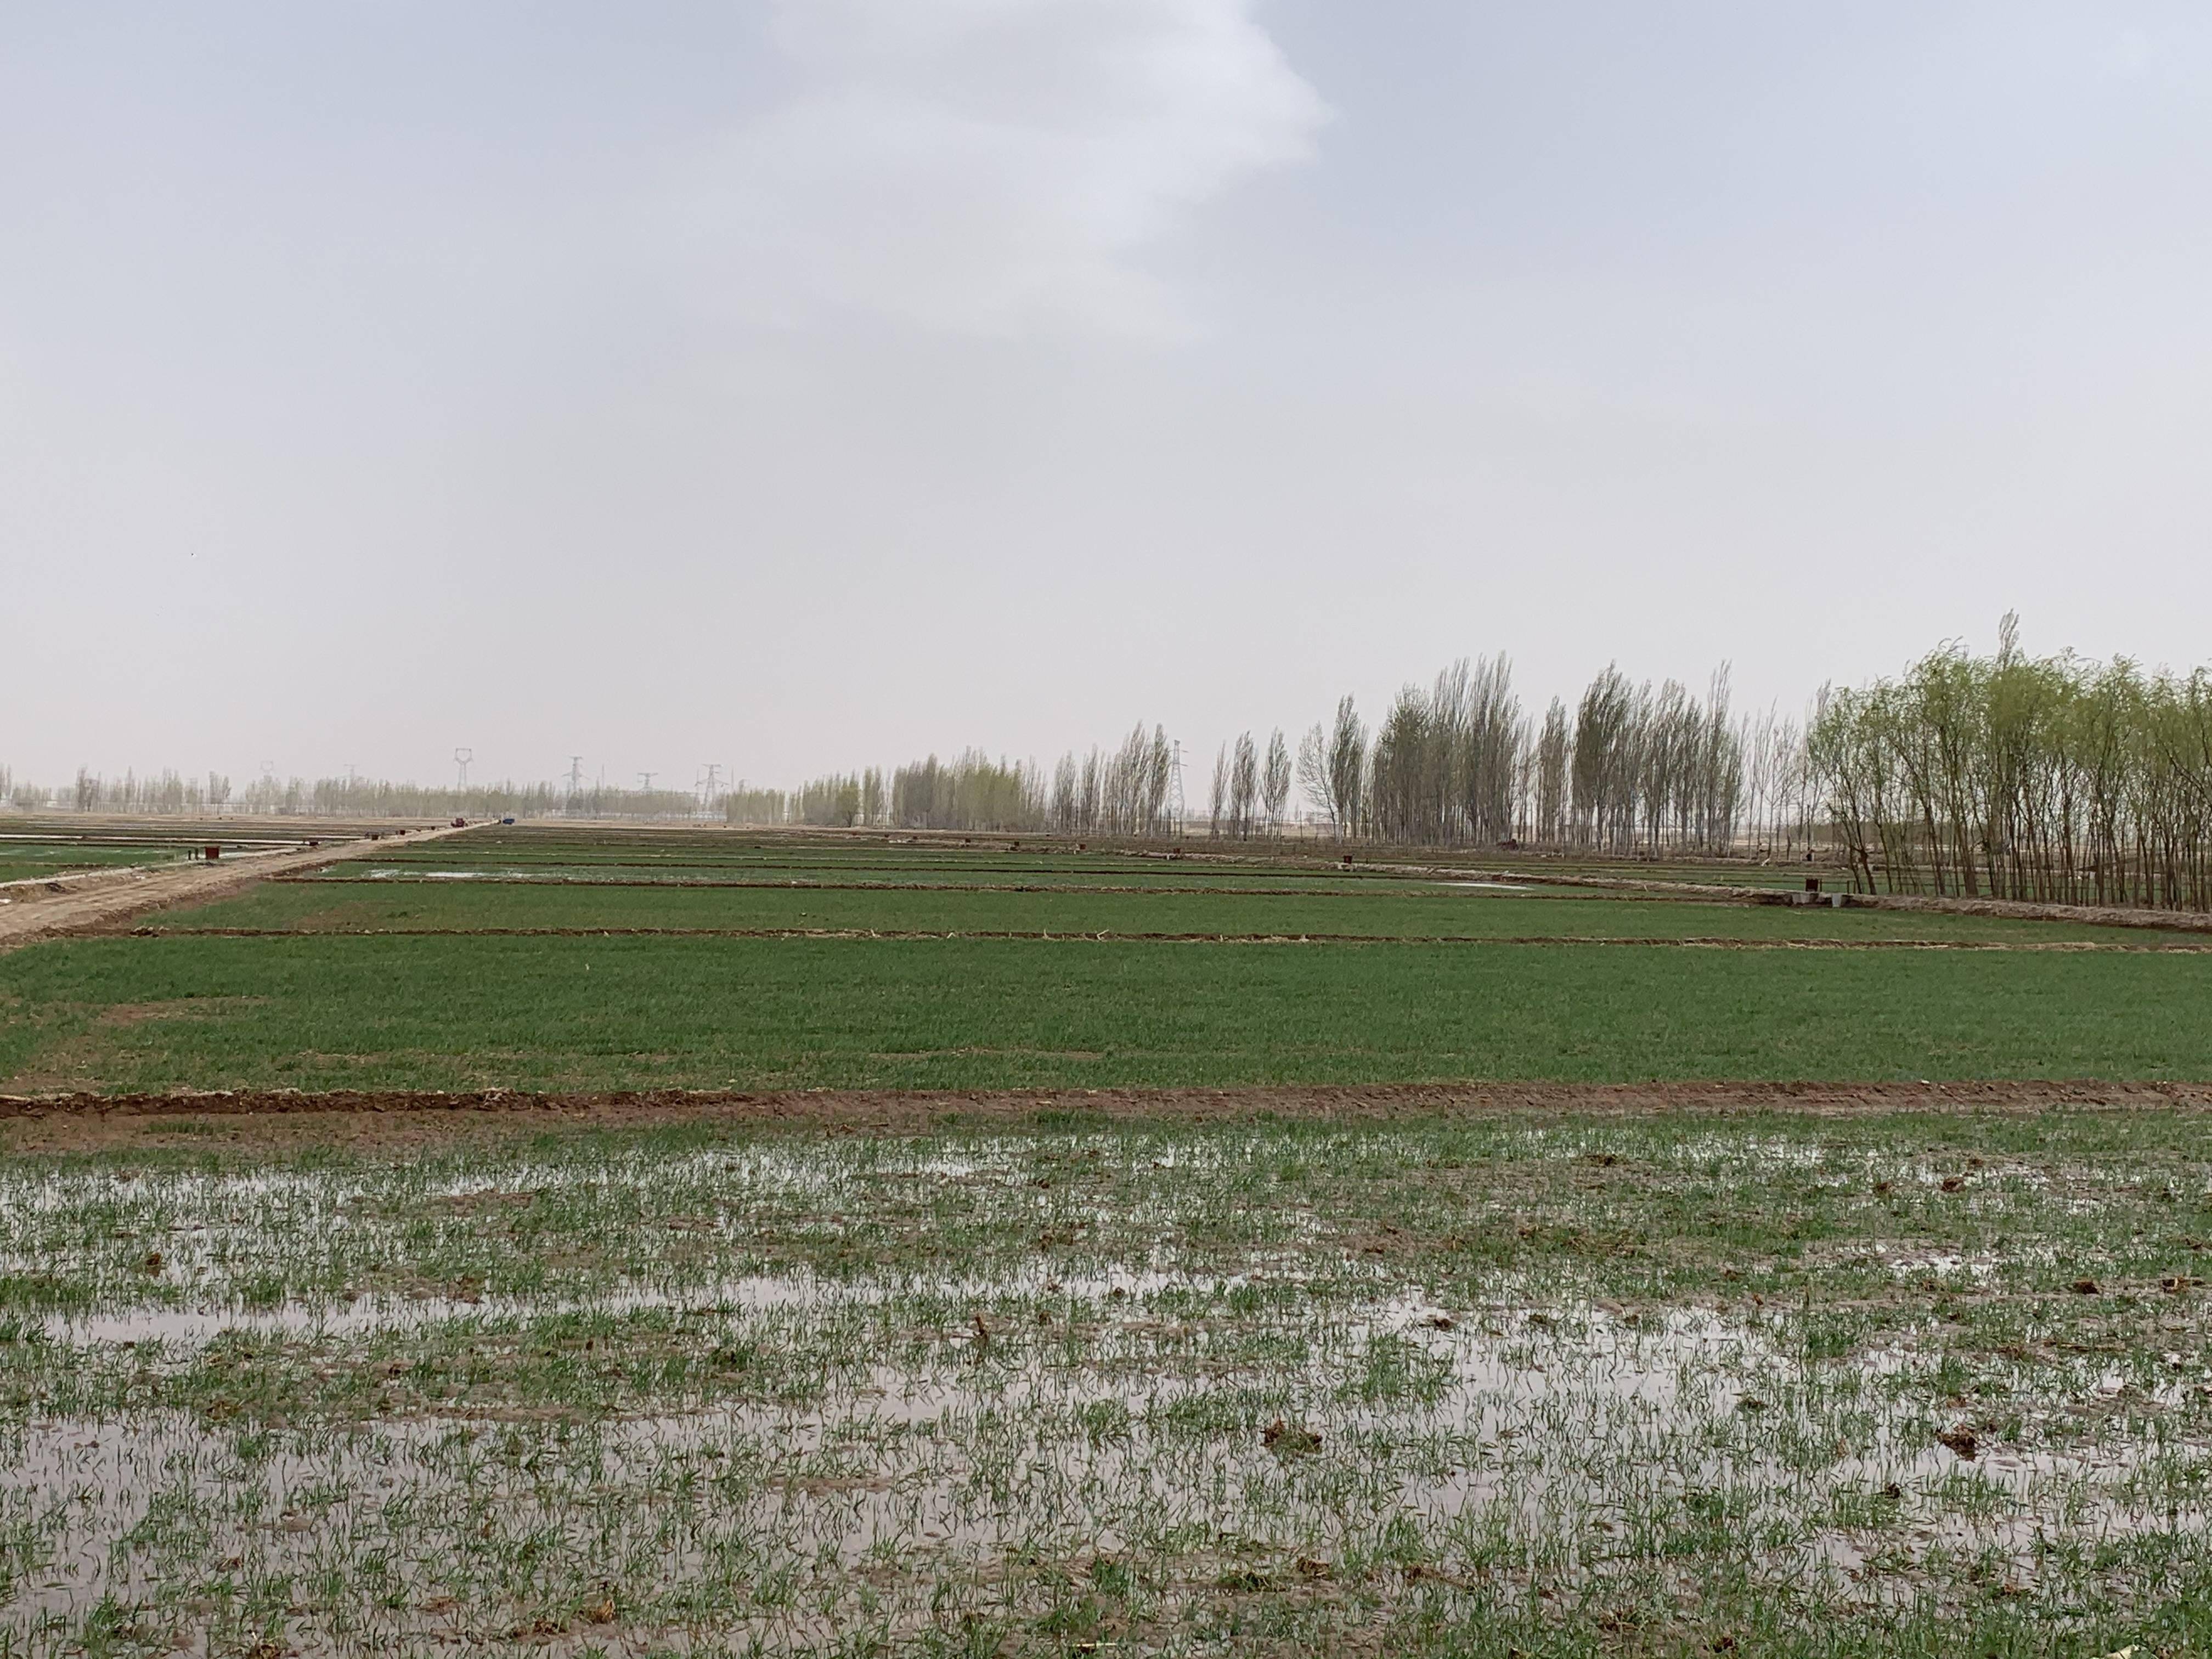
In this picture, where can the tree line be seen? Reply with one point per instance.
(2051, 779)
(1124, 791)
(166, 791)
(1629, 768)
(169, 793)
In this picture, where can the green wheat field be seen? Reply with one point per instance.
(1004, 1373)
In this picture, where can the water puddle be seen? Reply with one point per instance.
(183, 1328)
(800, 1456)
(1199, 1445)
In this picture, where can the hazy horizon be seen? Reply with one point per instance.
(817, 384)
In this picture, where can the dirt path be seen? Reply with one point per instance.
(373, 1118)
(104, 898)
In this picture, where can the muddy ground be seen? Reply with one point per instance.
(382, 1118)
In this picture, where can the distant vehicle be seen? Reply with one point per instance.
(460, 824)
(509, 819)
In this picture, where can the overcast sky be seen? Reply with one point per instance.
(800, 384)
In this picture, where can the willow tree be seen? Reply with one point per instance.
(2052, 779)
(972, 791)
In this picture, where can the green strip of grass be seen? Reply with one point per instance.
(1380, 911)
(638, 852)
(1163, 877)
(323, 1012)
(30, 861)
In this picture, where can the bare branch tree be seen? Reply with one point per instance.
(1275, 780)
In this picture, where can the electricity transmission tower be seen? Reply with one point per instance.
(461, 759)
(1176, 787)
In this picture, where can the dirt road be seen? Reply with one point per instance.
(100, 898)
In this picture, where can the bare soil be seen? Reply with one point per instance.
(368, 1117)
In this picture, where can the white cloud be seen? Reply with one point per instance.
(998, 167)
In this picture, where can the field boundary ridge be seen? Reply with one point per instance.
(892, 1108)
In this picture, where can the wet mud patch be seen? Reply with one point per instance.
(1400, 1466)
(56, 1118)
(1387, 1383)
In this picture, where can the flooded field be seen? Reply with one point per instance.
(1788, 1384)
